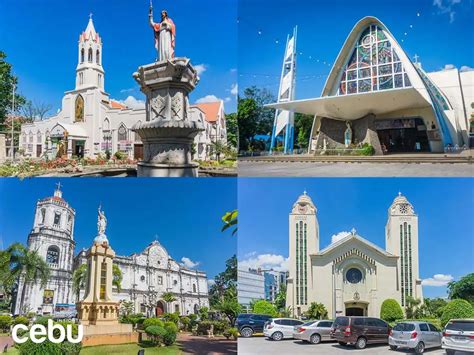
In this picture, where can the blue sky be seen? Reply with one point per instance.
(185, 214)
(40, 39)
(444, 208)
(441, 35)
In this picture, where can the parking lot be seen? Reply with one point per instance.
(262, 346)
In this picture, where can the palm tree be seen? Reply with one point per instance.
(218, 148)
(168, 297)
(28, 265)
(79, 278)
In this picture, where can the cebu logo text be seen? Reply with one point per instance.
(39, 333)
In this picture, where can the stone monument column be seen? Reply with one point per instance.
(169, 130)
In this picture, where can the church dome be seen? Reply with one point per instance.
(304, 204)
(304, 199)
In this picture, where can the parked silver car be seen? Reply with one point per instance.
(414, 335)
(314, 331)
(280, 328)
(458, 335)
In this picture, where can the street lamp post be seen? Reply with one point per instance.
(12, 144)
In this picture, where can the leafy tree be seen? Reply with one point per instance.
(126, 308)
(411, 306)
(230, 220)
(79, 280)
(247, 113)
(230, 305)
(391, 310)
(7, 81)
(28, 265)
(303, 125)
(232, 129)
(218, 148)
(316, 311)
(455, 309)
(32, 111)
(117, 277)
(223, 281)
(203, 313)
(169, 298)
(435, 306)
(280, 299)
(464, 288)
(264, 307)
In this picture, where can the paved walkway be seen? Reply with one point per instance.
(192, 344)
(320, 169)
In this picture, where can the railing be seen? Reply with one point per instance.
(265, 153)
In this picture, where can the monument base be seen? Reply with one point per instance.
(109, 334)
(167, 170)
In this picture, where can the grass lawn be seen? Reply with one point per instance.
(121, 349)
(130, 349)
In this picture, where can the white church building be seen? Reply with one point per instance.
(91, 123)
(352, 276)
(375, 94)
(146, 275)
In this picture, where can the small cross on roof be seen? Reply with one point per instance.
(58, 186)
(90, 15)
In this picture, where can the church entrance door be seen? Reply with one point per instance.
(354, 311)
(160, 308)
(403, 135)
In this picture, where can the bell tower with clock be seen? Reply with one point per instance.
(401, 239)
(304, 241)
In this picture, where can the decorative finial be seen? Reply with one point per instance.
(58, 186)
(58, 192)
(399, 193)
(90, 16)
(353, 231)
(304, 192)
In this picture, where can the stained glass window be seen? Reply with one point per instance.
(373, 65)
(52, 255)
(79, 111)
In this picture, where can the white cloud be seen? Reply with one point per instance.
(466, 68)
(211, 282)
(449, 67)
(133, 103)
(265, 261)
(446, 7)
(227, 99)
(207, 98)
(127, 90)
(189, 263)
(233, 70)
(234, 89)
(200, 68)
(338, 236)
(437, 280)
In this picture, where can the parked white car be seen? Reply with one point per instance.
(280, 328)
(414, 335)
(458, 335)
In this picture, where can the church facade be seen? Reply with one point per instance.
(91, 123)
(146, 275)
(352, 276)
(375, 94)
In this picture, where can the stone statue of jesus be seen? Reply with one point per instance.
(101, 222)
(165, 32)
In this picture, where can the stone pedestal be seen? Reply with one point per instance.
(168, 132)
(98, 312)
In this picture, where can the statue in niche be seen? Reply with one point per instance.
(348, 135)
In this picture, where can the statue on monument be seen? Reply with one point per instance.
(101, 223)
(165, 32)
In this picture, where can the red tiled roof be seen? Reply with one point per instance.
(211, 110)
(116, 104)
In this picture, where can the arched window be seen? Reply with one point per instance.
(43, 215)
(52, 255)
(57, 218)
(38, 136)
(89, 55)
(194, 287)
(122, 133)
(79, 113)
(82, 55)
(97, 57)
(106, 125)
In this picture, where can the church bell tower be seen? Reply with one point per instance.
(401, 239)
(303, 241)
(89, 71)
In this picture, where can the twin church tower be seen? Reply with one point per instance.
(352, 276)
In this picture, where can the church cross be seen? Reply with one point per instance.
(90, 15)
(58, 186)
(353, 231)
(416, 58)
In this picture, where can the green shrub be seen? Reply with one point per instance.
(171, 326)
(367, 150)
(391, 310)
(43, 320)
(171, 317)
(170, 337)
(231, 333)
(21, 320)
(156, 333)
(137, 318)
(185, 322)
(264, 307)
(152, 322)
(205, 325)
(434, 321)
(119, 155)
(49, 348)
(204, 313)
(457, 309)
(5, 322)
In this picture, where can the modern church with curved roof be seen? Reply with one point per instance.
(375, 94)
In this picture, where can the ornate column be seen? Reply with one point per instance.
(168, 132)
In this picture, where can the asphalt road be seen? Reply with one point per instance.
(310, 169)
(263, 346)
